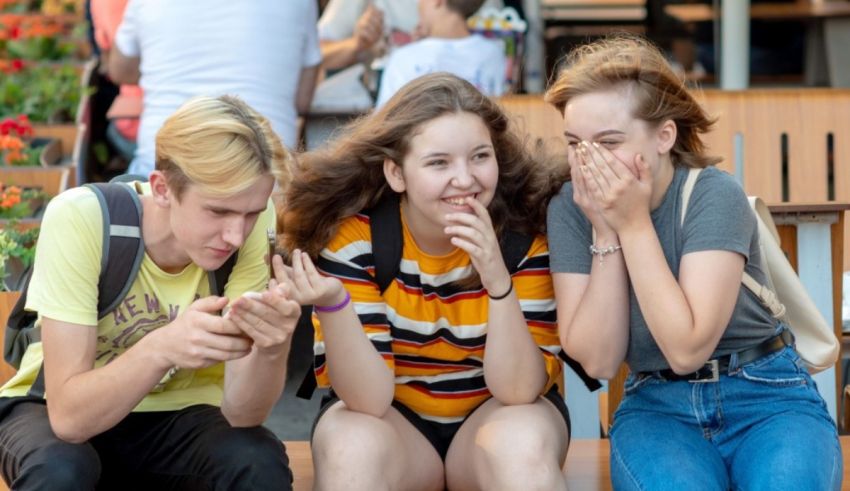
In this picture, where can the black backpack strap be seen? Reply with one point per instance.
(514, 246)
(20, 332)
(591, 383)
(123, 247)
(387, 239)
(308, 384)
(218, 278)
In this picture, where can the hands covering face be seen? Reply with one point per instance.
(606, 189)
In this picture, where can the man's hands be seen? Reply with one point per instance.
(267, 318)
(200, 337)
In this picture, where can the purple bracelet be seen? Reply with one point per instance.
(334, 308)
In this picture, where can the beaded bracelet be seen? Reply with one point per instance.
(510, 289)
(334, 308)
(603, 251)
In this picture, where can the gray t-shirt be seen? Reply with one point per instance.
(718, 218)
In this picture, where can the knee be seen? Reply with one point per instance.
(352, 444)
(517, 440)
(520, 452)
(252, 451)
(60, 465)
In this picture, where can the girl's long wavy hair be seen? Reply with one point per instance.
(347, 176)
(658, 94)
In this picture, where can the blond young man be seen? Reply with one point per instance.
(164, 391)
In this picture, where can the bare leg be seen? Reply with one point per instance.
(356, 451)
(509, 447)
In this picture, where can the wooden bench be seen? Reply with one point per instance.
(587, 465)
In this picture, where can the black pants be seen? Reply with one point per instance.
(194, 448)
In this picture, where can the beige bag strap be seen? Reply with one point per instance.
(687, 190)
(767, 297)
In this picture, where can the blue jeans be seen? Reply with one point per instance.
(762, 426)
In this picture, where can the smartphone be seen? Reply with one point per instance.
(272, 238)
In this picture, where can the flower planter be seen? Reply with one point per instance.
(7, 301)
(51, 151)
(52, 180)
(66, 133)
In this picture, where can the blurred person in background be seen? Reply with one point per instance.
(264, 51)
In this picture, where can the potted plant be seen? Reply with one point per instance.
(17, 251)
(18, 203)
(28, 162)
(19, 148)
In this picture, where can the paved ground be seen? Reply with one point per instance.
(292, 417)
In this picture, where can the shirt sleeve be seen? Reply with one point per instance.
(393, 76)
(127, 38)
(718, 216)
(570, 234)
(312, 53)
(63, 286)
(349, 257)
(536, 295)
(498, 66)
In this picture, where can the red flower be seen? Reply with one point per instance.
(6, 127)
(17, 65)
(15, 32)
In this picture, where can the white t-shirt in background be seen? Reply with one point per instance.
(255, 50)
(478, 60)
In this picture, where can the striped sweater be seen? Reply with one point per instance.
(430, 332)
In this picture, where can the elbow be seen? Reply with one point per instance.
(66, 430)
(515, 397)
(245, 420)
(377, 409)
(302, 105)
(601, 371)
(684, 363)
(376, 403)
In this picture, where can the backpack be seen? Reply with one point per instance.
(784, 296)
(121, 257)
(387, 244)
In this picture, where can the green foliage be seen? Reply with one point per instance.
(31, 201)
(16, 244)
(45, 93)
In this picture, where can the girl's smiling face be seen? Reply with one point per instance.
(451, 158)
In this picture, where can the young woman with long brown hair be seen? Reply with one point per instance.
(450, 376)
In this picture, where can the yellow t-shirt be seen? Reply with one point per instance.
(64, 288)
